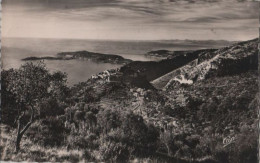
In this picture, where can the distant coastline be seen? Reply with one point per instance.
(96, 57)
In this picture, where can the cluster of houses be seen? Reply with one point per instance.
(105, 75)
(115, 75)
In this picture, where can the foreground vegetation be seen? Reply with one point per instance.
(118, 115)
(44, 120)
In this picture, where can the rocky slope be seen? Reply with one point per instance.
(231, 60)
(153, 70)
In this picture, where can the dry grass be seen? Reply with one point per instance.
(33, 152)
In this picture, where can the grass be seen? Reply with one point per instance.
(33, 152)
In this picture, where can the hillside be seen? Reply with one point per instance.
(234, 59)
(153, 70)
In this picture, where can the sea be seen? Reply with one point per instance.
(15, 49)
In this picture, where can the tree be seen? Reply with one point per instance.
(91, 120)
(29, 84)
(51, 107)
(8, 101)
(108, 119)
(78, 117)
(58, 87)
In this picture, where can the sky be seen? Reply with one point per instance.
(131, 19)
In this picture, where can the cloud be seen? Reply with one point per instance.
(131, 19)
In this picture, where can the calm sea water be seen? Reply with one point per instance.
(15, 49)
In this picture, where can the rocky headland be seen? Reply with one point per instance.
(96, 57)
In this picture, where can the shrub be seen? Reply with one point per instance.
(114, 152)
(50, 107)
(243, 150)
(108, 119)
(128, 131)
(82, 141)
(48, 132)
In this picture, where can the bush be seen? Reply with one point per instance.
(108, 119)
(114, 152)
(82, 141)
(246, 148)
(128, 131)
(50, 107)
(48, 132)
(243, 150)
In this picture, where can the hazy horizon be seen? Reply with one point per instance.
(131, 20)
(122, 39)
